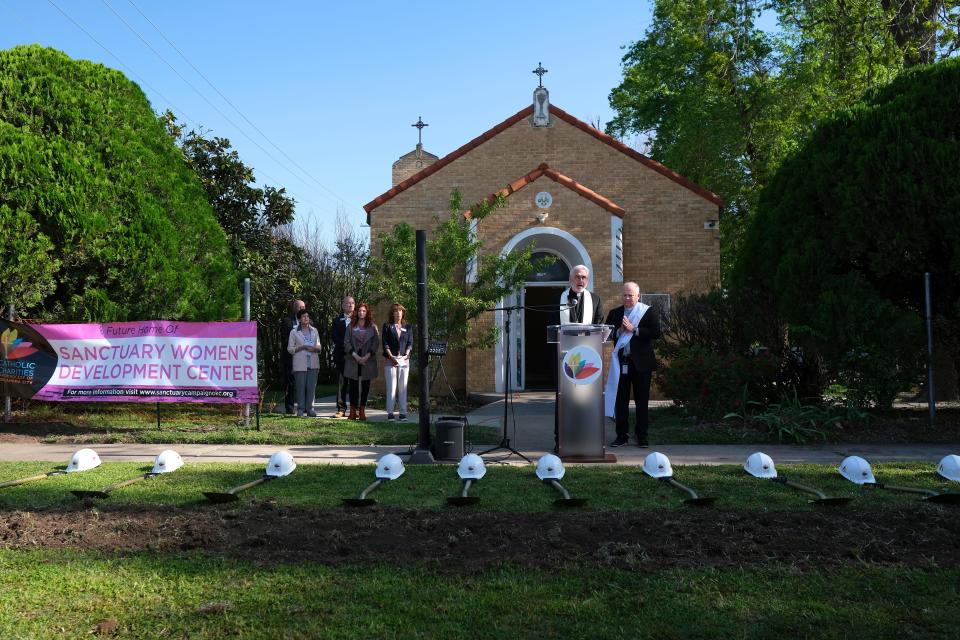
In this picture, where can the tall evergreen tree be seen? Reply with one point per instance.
(101, 217)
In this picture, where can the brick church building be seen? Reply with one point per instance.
(579, 195)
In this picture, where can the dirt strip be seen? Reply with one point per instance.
(463, 540)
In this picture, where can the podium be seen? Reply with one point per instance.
(579, 415)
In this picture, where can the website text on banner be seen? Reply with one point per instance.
(147, 361)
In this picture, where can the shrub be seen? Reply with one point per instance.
(708, 384)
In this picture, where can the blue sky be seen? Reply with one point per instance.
(334, 87)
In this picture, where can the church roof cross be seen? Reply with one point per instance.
(540, 71)
(419, 124)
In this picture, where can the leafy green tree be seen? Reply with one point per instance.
(724, 102)
(282, 262)
(453, 302)
(848, 225)
(102, 218)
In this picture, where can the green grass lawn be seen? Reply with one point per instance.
(196, 594)
(65, 595)
(511, 489)
(205, 424)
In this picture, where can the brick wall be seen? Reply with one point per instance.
(666, 249)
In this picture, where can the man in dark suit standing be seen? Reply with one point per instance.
(632, 364)
(338, 330)
(287, 325)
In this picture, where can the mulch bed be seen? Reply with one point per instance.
(465, 540)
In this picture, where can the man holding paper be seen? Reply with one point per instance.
(632, 364)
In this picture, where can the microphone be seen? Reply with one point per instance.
(572, 301)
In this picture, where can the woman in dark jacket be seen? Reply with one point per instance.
(397, 344)
(360, 347)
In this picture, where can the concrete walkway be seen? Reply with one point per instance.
(530, 430)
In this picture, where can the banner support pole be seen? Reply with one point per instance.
(7, 402)
(246, 318)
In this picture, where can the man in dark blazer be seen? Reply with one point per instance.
(338, 330)
(287, 325)
(632, 365)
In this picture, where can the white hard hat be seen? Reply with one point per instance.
(549, 467)
(760, 465)
(281, 464)
(856, 470)
(471, 467)
(167, 462)
(949, 468)
(657, 465)
(82, 460)
(389, 467)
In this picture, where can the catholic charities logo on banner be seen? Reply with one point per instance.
(582, 365)
(27, 360)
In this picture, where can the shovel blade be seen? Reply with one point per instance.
(462, 501)
(569, 503)
(89, 494)
(221, 496)
(830, 502)
(700, 502)
(359, 502)
(945, 498)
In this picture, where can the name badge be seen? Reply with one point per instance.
(623, 368)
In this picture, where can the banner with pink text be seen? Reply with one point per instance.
(147, 361)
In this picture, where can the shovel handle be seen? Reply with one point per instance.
(802, 487)
(13, 483)
(559, 487)
(376, 483)
(693, 494)
(249, 485)
(466, 488)
(128, 482)
(892, 487)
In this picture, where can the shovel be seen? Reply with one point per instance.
(822, 498)
(279, 465)
(929, 494)
(694, 499)
(389, 467)
(230, 495)
(363, 500)
(566, 500)
(463, 499)
(103, 493)
(13, 483)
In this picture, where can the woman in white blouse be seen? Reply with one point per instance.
(303, 345)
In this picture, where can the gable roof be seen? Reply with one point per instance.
(517, 117)
(545, 170)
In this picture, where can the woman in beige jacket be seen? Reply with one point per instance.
(360, 347)
(303, 345)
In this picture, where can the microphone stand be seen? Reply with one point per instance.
(507, 388)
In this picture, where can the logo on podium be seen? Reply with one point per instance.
(582, 365)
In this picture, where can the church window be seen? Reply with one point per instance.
(549, 267)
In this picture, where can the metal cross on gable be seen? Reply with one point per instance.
(540, 71)
(419, 124)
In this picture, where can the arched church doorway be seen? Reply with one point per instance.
(532, 359)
